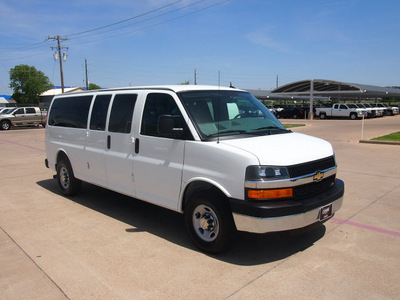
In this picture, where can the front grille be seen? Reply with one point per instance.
(314, 188)
(311, 167)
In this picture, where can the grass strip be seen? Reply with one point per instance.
(293, 125)
(390, 137)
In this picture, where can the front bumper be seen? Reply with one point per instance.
(267, 216)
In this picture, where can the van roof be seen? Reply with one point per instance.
(174, 88)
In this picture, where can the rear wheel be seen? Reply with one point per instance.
(209, 222)
(322, 116)
(67, 182)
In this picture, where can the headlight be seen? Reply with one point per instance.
(258, 173)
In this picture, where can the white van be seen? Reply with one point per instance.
(217, 155)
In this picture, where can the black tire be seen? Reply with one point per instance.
(278, 116)
(353, 116)
(322, 116)
(5, 125)
(66, 180)
(211, 211)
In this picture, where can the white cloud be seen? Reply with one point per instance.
(264, 38)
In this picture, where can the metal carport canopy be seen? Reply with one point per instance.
(331, 88)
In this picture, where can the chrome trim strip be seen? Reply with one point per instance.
(291, 182)
(264, 225)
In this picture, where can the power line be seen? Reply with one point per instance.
(26, 47)
(156, 24)
(142, 21)
(126, 20)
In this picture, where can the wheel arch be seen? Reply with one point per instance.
(202, 185)
(61, 154)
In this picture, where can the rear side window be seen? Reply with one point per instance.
(121, 113)
(30, 110)
(70, 112)
(99, 112)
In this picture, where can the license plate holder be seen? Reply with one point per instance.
(325, 212)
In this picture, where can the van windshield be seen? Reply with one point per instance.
(227, 113)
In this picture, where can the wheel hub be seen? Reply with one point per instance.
(205, 223)
(64, 178)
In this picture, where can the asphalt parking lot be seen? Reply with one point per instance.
(102, 245)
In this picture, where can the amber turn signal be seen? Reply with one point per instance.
(269, 194)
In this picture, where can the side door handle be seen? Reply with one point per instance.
(108, 141)
(137, 146)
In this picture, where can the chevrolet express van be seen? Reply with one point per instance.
(216, 155)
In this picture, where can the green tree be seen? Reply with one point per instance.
(93, 86)
(28, 83)
(185, 83)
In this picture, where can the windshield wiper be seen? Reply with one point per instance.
(273, 128)
(228, 131)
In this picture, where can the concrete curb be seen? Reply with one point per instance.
(380, 142)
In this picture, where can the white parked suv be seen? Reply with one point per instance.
(216, 155)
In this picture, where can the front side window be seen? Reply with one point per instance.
(19, 111)
(158, 104)
(228, 113)
(121, 113)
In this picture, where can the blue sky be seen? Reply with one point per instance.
(247, 42)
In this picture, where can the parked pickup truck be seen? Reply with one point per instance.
(22, 116)
(341, 110)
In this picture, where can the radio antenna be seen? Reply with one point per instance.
(218, 103)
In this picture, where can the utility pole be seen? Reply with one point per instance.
(195, 77)
(87, 80)
(277, 81)
(59, 39)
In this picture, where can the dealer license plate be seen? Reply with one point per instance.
(325, 212)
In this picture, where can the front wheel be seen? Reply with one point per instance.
(67, 182)
(5, 125)
(209, 222)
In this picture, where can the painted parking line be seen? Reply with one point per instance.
(372, 228)
(22, 145)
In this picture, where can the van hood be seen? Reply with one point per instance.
(284, 149)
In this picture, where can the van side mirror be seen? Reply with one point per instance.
(166, 127)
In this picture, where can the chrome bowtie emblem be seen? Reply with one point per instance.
(318, 176)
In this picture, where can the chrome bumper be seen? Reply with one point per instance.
(264, 225)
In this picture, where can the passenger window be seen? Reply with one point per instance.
(19, 111)
(158, 104)
(30, 110)
(99, 112)
(121, 113)
(70, 111)
(343, 107)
